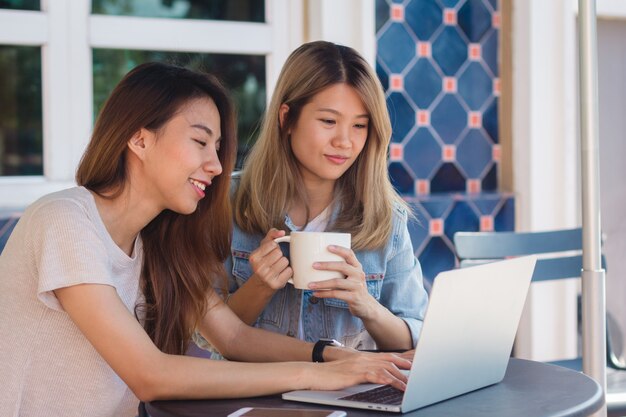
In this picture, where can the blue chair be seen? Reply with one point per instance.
(564, 248)
(8, 220)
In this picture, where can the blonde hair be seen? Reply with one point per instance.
(271, 181)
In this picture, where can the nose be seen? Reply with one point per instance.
(212, 165)
(342, 138)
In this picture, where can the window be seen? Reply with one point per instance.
(237, 10)
(59, 60)
(243, 74)
(20, 4)
(21, 131)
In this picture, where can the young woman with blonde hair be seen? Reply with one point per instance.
(320, 164)
(101, 285)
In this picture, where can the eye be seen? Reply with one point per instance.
(328, 121)
(361, 126)
(200, 142)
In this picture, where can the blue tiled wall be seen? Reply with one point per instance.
(438, 62)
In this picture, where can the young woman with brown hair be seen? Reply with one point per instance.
(320, 164)
(102, 284)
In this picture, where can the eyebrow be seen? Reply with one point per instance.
(358, 116)
(203, 127)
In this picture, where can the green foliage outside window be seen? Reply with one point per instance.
(20, 4)
(243, 75)
(237, 10)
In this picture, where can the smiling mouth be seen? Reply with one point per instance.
(200, 185)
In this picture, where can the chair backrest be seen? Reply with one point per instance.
(561, 247)
(8, 220)
(563, 259)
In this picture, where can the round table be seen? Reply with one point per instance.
(528, 389)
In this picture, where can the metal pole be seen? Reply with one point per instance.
(593, 276)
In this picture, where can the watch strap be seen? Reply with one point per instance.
(320, 345)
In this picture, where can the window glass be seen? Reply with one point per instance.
(238, 10)
(243, 75)
(20, 4)
(21, 131)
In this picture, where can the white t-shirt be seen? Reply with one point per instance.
(47, 366)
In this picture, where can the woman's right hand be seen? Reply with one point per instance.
(270, 267)
(374, 369)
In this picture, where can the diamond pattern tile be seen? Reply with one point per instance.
(396, 47)
(449, 119)
(474, 154)
(475, 86)
(474, 19)
(423, 153)
(462, 217)
(423, 17)
(447, 178)
(423, 83)
(449, 50)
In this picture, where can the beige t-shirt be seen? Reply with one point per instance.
(47, 366)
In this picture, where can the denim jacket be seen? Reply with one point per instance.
(393, 275)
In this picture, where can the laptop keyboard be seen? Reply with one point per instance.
(381, 395)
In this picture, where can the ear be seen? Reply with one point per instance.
(140, 142)
(282, 114)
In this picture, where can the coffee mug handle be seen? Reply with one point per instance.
(281, 240)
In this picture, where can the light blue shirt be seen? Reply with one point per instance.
(394, 279)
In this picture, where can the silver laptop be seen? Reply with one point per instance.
(465, 343)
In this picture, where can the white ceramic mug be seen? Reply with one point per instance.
(306, 248)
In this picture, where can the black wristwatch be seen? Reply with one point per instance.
(319, 346)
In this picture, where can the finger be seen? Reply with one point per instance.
(272, 234)
(398, 383)
(335, 283)
(384, 376)
(274, 256)
(345, 253)
(343, 267)
(285, 274)
(264, 249)
(271, 271)
(408, 355)
(399, 360)
(279, 266)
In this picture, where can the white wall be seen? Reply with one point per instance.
(547, 161)
(347, 22)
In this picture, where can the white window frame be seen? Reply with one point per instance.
(67, 32)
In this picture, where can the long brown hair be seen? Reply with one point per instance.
(271, 180)
(183, 254)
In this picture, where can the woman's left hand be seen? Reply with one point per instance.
(352, 289)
